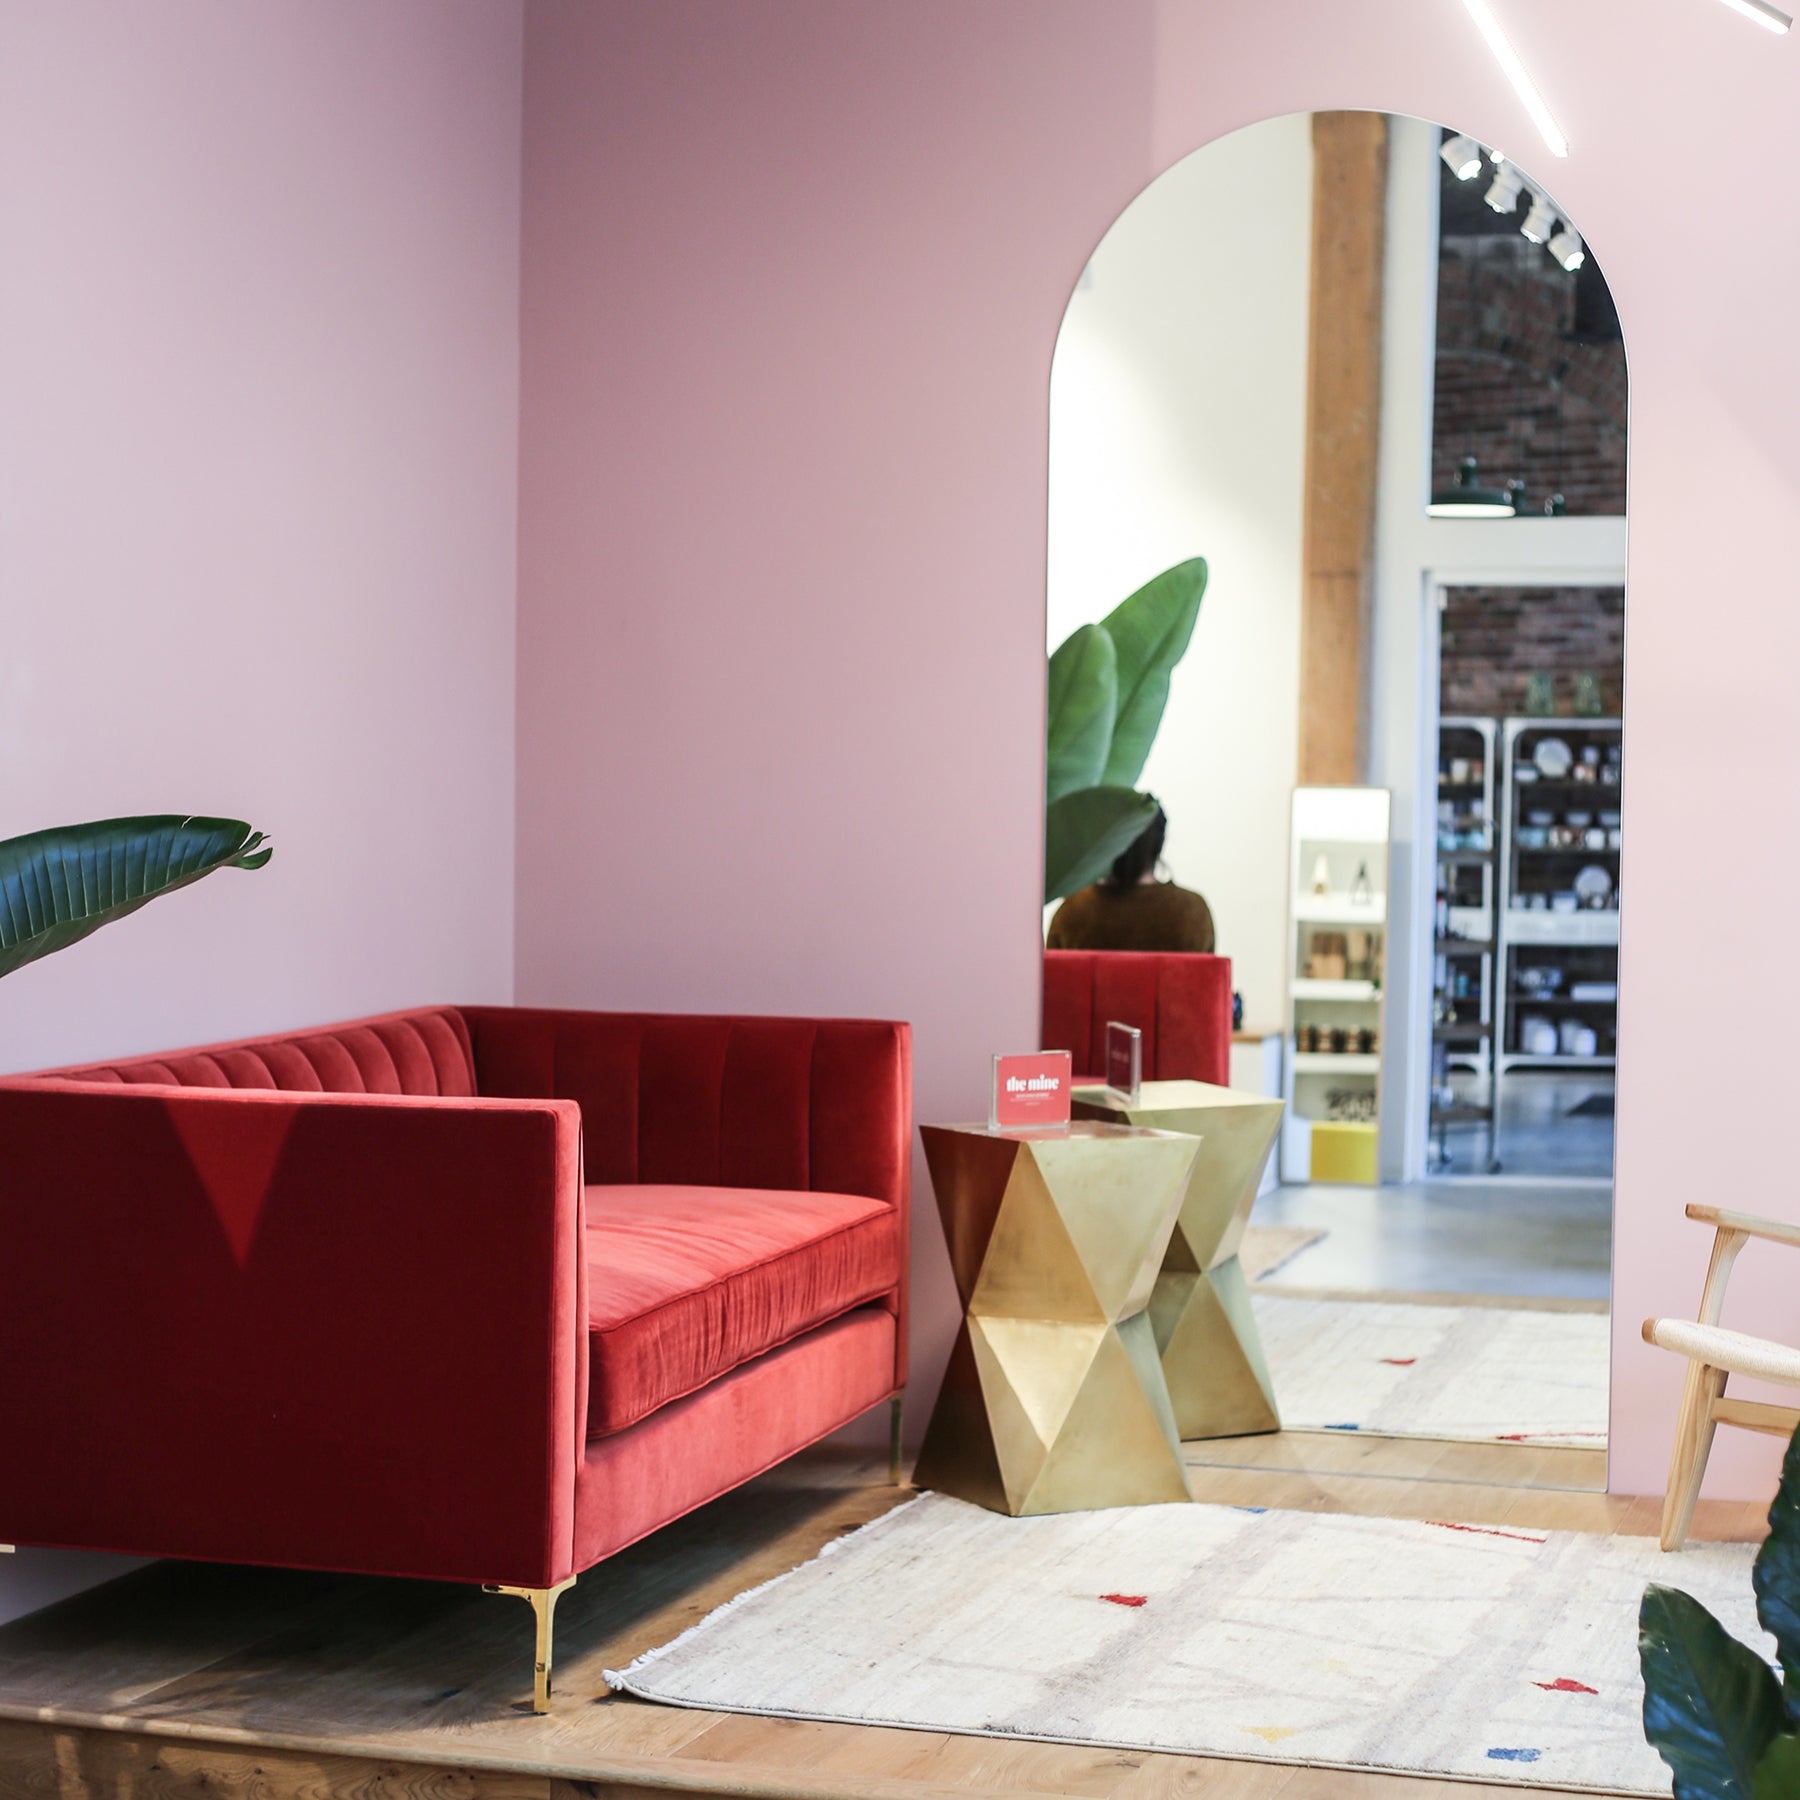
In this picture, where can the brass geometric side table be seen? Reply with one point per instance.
(1054, 1398)
(1212, 1354)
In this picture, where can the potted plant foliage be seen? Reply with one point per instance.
(57, 886)
(1109, 683)
(1726, 1723)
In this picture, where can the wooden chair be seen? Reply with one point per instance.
(1713, 1355)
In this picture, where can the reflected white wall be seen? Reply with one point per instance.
(1178, 427)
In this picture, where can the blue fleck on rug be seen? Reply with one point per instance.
(1485, 1652)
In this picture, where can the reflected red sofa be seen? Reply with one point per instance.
(476, 1293)
(1179, 1001)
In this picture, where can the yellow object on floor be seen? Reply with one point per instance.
(1344, 1152)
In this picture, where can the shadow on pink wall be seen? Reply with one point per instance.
(792, 280)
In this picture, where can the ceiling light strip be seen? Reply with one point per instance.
(1515, 72)
(1770, 18)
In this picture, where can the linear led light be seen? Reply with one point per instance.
(1514, 70)
(1770, 18)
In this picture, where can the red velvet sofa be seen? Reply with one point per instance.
(1181, 1002)
(477, 1294)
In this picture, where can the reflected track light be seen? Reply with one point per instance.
(1462, 157)
(1503, 191)
(1514, 70)
(1770, 18)
(1568, 248)
(1540, 221)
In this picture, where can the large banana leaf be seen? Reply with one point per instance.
(1084, 831)
(57, 886)
(1778, 1774)
(1711, 1705)
(1776, 1579)
(1150, 633)
(1084, 690)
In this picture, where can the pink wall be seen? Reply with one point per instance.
(792, 277)
(258, 413)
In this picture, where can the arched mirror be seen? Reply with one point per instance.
(1336, 596)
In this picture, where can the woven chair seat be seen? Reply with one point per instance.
(1732, 1350)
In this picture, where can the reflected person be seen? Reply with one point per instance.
(1130, 909)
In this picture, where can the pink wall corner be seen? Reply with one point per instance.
(258, 494)
(792, 278)
(258, 483)
(785, 379)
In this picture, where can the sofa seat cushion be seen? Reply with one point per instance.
(686, 1284)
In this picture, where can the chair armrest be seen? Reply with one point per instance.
(315, 1330)
(1777, 1231)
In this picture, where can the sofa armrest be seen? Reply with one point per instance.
(315, 1330)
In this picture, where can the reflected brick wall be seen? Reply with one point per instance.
(1513, 388)
(1495, 639)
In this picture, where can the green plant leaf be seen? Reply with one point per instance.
(1778, 1774)
(1084, 693)
(57, 886)
(1085, 830)
(1150, 633)
(1711, 1704)
(1776, 1579)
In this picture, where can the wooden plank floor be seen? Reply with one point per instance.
(188, 1680)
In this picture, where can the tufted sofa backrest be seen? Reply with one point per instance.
(423, 1052)
(718, 1102)
(1181, 1002)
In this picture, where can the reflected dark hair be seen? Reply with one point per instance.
(1141, 855)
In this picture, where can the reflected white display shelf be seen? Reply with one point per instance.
(1337, 950)
(1336, 1062)
(1303, 989)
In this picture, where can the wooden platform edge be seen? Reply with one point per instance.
(74, 1755)
(73, 1758)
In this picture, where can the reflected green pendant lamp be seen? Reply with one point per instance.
(1466, 498)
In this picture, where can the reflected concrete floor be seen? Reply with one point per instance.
(1546, 1126)
(1528, 1239)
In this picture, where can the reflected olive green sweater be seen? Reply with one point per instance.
(1155, 915)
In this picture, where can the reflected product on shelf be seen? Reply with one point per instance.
(1554, 758)
(1593, 885)
(1349, 1105)
(1537, 1036)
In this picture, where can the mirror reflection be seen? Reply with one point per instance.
(1336, 601)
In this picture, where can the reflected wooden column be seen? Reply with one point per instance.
(1343, 416)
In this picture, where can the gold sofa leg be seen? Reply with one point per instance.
(543, 1605)
(896, 1418)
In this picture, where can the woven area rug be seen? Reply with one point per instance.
(1475, 1651)
(1483, 1373)
(1265, 1248)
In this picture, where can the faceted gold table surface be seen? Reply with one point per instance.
(1212, 1356)
(1054, 1398)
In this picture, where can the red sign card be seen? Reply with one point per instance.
(1030, 1090)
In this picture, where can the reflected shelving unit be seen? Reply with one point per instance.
(1559, 919)
(1338, 904)
(1464, 999)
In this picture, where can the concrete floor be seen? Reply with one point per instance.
(1536, 1239)
(1541, 1132)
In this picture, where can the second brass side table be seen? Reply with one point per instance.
(1054, 1398)
(1212, 1354)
